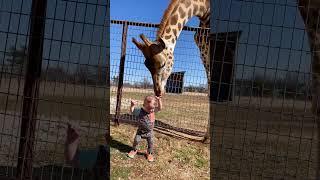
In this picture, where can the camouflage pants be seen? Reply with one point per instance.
(148, 136)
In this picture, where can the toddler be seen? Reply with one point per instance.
(146, 119)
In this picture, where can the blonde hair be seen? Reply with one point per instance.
(149, 96)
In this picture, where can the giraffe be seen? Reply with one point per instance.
(159, 53)
(310, 13)
(159, 58)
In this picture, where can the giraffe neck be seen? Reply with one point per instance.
(177, 15)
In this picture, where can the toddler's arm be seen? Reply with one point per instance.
(133, 110)
(133, 104)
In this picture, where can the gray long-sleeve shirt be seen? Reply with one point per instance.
(145, 121)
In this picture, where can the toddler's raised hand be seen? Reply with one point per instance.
(134, 102)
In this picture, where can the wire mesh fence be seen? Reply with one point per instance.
(186, 107)
(72, 85)
(268, 130)
(261, 59)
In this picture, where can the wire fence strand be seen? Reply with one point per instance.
(72, 87)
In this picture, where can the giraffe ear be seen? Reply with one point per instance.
(162, 43)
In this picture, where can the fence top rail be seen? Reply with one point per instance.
(141, 24)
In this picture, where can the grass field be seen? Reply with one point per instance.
(59, 104)
(257, 138)
(185, 111)
(254, 138)
(174, 158)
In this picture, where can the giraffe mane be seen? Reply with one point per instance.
(166, 17)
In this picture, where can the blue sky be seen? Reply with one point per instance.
(75, 32)
(186, 53)
(272, 37)
(272, 42)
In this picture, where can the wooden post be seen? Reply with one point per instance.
(31, 89)
(121, 71)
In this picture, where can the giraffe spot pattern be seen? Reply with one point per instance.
(174, 19)
(175, 32)
(202, 8)
(187, 3)
(182, 13)
(179, 26)
(195, 9)
(207, 3)
(168, 30)
(175, 10)
(167, 37)
(189, 13)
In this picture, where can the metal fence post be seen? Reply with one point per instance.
(121, 71)
(31, 89)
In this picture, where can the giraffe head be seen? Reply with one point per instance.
(157, 57)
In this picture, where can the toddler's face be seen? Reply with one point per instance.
(149, 104)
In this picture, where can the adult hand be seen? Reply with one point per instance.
(72, 134)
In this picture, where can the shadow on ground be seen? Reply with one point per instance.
(120, 146)
(53, 172)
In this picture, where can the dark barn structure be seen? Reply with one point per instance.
(175, 82)
(223, 50)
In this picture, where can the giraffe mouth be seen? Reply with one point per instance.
(158, 93)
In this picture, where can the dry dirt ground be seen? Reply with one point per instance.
(174, 158)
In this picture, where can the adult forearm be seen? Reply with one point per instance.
(71, 154)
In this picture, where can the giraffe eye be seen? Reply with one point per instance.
(148, 64)
(162, 66)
